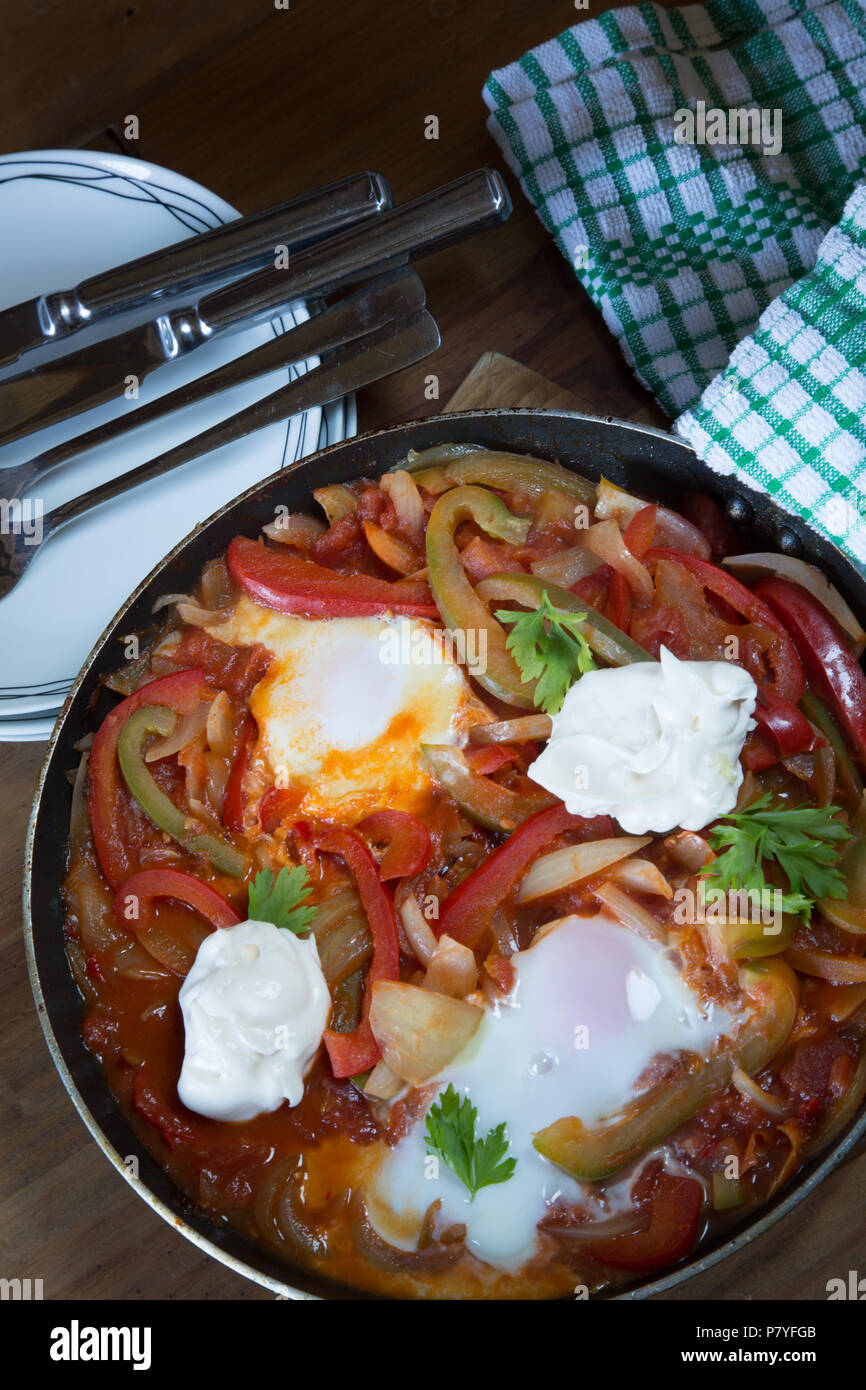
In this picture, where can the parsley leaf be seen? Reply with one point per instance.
(280, 900)
(549, 647)
(802, 840)
(451, 1136)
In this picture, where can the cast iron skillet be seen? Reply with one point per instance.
(644, 460)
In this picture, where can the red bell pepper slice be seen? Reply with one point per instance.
(290, 584)
(676, 1205)
(150, 884)
(638, 534)
(789, 678)
(759, 752)
(467, 910)
(233, 801)
(109, 801)
(830, 664)
(351, 1053)
(786, 725)
(406, 837)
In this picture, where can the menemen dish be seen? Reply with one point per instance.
(467, 891)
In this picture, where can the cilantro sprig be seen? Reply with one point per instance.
(550, 648)
(803, 840)
(281, 900)
(451, 1136)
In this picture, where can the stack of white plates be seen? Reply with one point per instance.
(65, 216)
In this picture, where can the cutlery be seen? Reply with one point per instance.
(239, 246)
(96, 374)
(372, 358)
(392, 297)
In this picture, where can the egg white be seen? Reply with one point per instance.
(346, 704)
(593, 1005)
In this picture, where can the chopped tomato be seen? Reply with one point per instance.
(236, 670)
(619, 603)
(233, 801)
(788, 677)
(639, 533)
(676, 1205)
(785, 725)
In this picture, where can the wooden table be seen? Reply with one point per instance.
(260, 103)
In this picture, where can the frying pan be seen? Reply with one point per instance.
(644, 460)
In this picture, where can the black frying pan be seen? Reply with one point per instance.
(646, 461)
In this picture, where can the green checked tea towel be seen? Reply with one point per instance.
(690, 163)
(789, 410)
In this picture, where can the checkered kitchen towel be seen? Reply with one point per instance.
(683, 246)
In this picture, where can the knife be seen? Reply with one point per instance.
(237, 247)
(99, 373)
(378, 354)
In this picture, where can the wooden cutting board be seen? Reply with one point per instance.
(67, 1218)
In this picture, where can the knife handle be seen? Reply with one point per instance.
(435, 220)
(240, 245)
(379, 354)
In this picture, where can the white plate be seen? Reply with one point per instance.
(64, 216)
(339, 421)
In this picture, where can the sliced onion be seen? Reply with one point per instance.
(165, 601)
(383, 1255)
(342, 937)
(336, 501)
(753, 566)
(605, 540)
(630, 912)
(671, 528)
(839, 970)
(528, 727)
(390, 549)
(419, 1032)
(565, 867)
(402, 489)
(689, 849)
(195, 616)
(846, 1001)
(567, 566)
(220, 728)
(419, 934)
(279, 1213)
(383, 1083)
(295, 528)
(763, 1099)
(452, 969)
(187, 729)
(79, 816)
(642, 876)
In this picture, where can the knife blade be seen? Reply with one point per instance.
(93, 375)
(236, 248)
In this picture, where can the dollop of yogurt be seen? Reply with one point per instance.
(656, 744)
(255, 1005)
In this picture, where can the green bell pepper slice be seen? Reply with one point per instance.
(460, 607)
(594, 1154)
(606, 640)
(159, 719)
(487, 803)
(453, 465)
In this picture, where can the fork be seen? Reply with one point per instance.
(377, 354)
